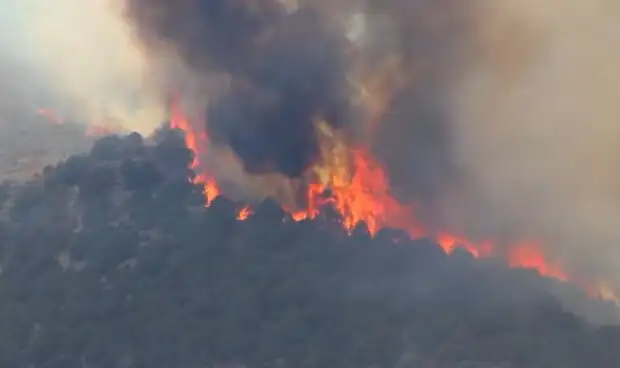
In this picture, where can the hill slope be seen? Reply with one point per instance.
(109, 259)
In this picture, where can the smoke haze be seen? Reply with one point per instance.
(83, 60)
(536, 127)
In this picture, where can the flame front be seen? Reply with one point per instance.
(354, 184)
(194, 142)
(528, 255)
(244, 213)
(360, 192)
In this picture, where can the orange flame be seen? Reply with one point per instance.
(528, 255)
(194, 142)
(451, 242)
(244, 213)
(355, 185)
(366, 198)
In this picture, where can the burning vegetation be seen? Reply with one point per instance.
(119, 243)
(299, 202)
(346, 102)
(352, 182)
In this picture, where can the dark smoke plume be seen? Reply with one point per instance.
(413, 137)
(502, 121)
(287, 69)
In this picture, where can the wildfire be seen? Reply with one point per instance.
(451, 242)
(355, 185)
(358, 187)
(529, 256)
(195, 142)
(244, 213)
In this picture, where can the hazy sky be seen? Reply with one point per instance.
(84, 55)
(9, 18)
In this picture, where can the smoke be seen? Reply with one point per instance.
(499, 118)
(535, 123)
(77, 57)
(285, 69)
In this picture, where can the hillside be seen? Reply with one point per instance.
(110, 259)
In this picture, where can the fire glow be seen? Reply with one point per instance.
(194, 142)
(361, 194)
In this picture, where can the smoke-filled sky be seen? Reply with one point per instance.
(537, 125)
(502, 117)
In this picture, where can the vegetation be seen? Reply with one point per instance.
(109, 259)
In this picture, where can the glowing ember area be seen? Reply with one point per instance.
(606, 293)
(357, 186)
(244, 213)
(194, 142)
(450, 242)
(364, 198)
(529, 256)
(299, 215)
(353, 183)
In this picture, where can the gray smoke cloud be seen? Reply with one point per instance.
(286, 69)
